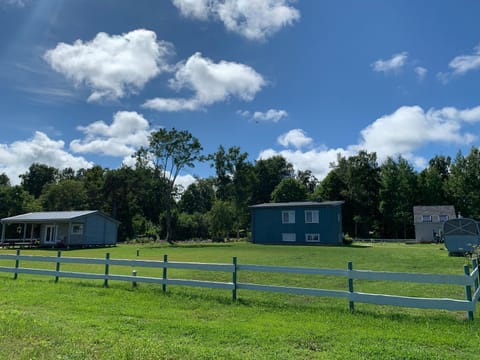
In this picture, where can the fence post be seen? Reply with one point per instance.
(138, 252)
(57, 267)
(17, 264)
(351, 304)
(478, 265)
(107, 257)
(468, 290)
(164, 283)
(234, 279)
(474, 267)
(134, 273)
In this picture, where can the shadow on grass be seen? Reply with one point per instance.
(180, 245)
(359, 246)
(404, 315)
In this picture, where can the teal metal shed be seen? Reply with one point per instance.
(306, 223)
(60, 229)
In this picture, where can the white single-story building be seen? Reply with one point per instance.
(428, 221)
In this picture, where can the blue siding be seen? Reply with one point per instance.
(99, 230)
(267, 226)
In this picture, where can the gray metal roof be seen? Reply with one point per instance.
(48, 216)
(435, 210)
(299, 204)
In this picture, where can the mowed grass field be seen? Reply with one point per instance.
(80, 319)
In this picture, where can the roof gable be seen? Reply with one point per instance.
(434, 212)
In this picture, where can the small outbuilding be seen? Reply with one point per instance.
(306, 223)
(428, 221)
(60, 229)
(462, 236)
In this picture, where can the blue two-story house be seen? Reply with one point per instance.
(306, 223)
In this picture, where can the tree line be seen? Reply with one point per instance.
(146, 199)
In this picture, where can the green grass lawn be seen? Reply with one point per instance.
(80, 319)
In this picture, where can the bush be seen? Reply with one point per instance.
(347, 240)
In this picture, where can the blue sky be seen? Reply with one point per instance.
(85, 82)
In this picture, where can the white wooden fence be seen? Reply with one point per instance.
(469, 280)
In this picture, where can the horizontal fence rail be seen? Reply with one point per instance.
(469, 280)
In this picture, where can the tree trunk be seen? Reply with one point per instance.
(169, 225)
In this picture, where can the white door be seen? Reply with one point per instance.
(50, 234)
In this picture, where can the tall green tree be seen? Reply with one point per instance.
(289, 189)
(198, 197)
(398, 195)
(37, 176)
(356, 180)
(15, 200)
(309, 180)
(66, 195)
(235, 181)
(67, 174)
(120, 188)
(269, 173)
(4, 180)
(170, 151)
(94, 182)
(432, 182)
(332, 187)
(222, 218)
(463, 183)
(223, 180)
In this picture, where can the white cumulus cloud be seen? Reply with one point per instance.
(112, 66)
(421, 72)
(402, 132)
(460, 65)
(210, 82)
(252, 19)
(185, 180)
(295, 137)
(16, 158)
(410, 128)
(271, 115)
(395, 63)
(465, 63)
(128, 131)
(316, 160)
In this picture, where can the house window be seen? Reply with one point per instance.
(289, 237)
(288, 217)
(312, 237)
(77, 229)
(427, 218)
(443, 218)
(311, 216)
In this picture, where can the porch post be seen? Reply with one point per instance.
(4, 225)
(24, 232)
(68, 235)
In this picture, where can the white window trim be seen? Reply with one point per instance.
(80, 226)
(314, 234)
(291, 217)
(289, 237)
(427, 218)
(314, 215)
